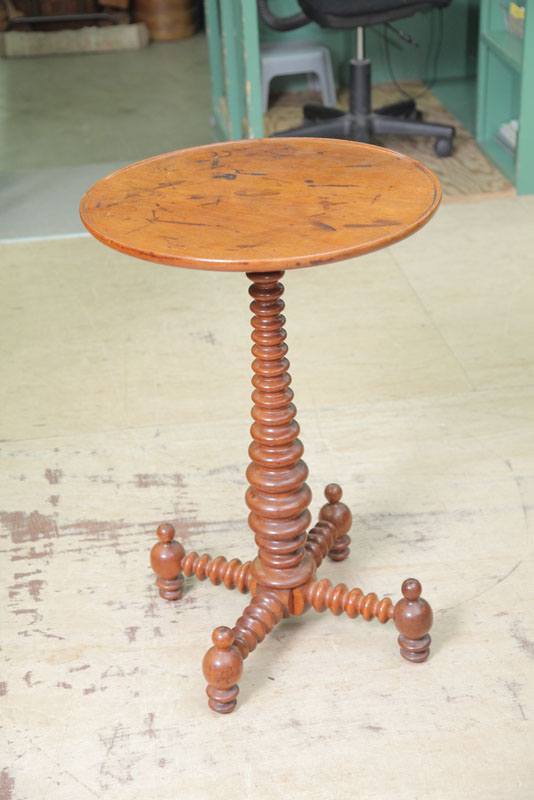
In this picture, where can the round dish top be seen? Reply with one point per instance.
(259, 205)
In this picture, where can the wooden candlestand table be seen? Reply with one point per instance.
(262, 207)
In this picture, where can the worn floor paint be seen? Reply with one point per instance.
(125, 402)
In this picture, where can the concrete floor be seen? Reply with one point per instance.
(67, 121)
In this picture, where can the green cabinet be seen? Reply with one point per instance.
(234, 54)
(505, 87)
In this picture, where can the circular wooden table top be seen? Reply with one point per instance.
(260, 205)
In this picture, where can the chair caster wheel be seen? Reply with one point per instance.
(443, 147)
(415, 116)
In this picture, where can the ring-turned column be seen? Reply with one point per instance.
(278, 496)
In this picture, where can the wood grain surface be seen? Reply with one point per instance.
(261, 205)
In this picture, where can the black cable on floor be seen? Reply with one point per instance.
(437, 54)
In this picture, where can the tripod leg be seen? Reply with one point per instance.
(412, 615)
(170, 562)
(223, 663)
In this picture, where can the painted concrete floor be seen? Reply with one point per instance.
(67, 121)
(125, 402)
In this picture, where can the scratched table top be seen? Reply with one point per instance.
(261, 204)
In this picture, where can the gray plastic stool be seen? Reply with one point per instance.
(296, 57)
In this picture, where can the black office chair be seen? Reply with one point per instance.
(360, 123)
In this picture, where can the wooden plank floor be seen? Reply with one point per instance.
(414, 377)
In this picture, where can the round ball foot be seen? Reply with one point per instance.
(341, 550)
(166, 561)
(171, 590)
(222, 667)
(221, 700)
(339, 515)
(415, 650)
(413, 618)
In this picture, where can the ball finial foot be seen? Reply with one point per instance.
(222, 637)
(166, 560)
(333, 493)
(411, 589)
(413, 618)
(338, 514)
(165, 532)
(222, 667)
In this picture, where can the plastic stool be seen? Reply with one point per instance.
(293, 58)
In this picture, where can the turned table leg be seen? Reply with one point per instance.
(170, 562)
(412, 614)
(223, 663)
